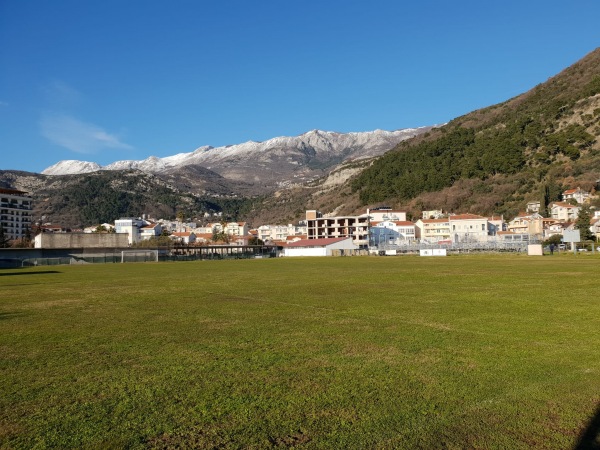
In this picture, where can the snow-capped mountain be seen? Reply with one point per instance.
(281, 159)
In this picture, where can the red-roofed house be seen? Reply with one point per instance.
(151, 230)
(579, 195)
(321, 247)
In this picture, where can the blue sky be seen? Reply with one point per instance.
(109, 80)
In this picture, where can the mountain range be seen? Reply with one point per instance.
(223, 179)
(265, 165)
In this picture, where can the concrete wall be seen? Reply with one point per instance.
(81, 240)
(300, 251)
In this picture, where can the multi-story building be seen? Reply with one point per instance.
(237, 228)
(15, 213)
(384, 213)
(433, 230)
(392, 232)
(468, 228)
(319, 227)
(131, 226)
(279, 232)
(565, 212)
(530, 224)
(579, 195)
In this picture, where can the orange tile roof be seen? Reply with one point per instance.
(564, 205)
(466, 217)
(434, 220)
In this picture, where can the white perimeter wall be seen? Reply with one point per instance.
(305, 252)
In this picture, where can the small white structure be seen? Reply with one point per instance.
(432, 252)
(184, 237)
(321, 247)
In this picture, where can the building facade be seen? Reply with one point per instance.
(319, 227)
(468, 228)
(433, 230)
(15, 213)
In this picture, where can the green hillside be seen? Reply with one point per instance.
(500, 156)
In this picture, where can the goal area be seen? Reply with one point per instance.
(139, 255)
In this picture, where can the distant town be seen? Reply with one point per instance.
(381, 228)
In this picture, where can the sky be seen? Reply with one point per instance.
(110, 80)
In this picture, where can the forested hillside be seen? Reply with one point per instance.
(545, 138)
(88, 199)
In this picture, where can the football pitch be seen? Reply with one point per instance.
(473, 351)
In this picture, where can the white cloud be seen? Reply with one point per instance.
(59, 94)
(78, 136)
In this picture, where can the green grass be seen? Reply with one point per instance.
(460, 352)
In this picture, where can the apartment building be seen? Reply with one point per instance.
(468, 228)
(530, 224)
(564, 212)
(279, 232)
(15, 213)
(433, 230)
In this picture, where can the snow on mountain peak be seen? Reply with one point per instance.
(363, 144)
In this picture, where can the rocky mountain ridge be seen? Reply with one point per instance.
(270, 164)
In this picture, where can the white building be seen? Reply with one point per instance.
(150, 231)
(468, 228)
(392, 232)
(184, 237)
(321, 247)
(565, 212)
(15, 213)
(433, 230)
(579, 195)
(383, 213)
(131, 226)
(279, 232)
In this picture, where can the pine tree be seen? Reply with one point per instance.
(583, 223)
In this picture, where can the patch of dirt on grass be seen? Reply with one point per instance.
(291, 440)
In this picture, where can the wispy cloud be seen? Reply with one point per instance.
(60, 95)
(2, 103)
(78, 136)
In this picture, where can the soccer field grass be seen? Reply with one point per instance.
(484, 351)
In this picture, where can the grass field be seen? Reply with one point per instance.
(498, 352)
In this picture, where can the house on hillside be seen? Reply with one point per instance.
(578, 194)
(564, 212)
(533, 206)
(321, 247)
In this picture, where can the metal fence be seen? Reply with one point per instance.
(166, 254)
(461, 247)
